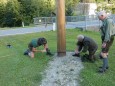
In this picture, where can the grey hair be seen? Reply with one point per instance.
(80, 37)
(102, 13)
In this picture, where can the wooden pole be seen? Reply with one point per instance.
(60, 16)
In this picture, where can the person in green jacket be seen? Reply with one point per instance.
(36, 43)
(107, 35)
(85, 44)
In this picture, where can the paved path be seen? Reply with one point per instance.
(25, 30)
(43, 28)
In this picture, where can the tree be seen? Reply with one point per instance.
(35, 8)
(3, 1)
(26, 10)
(2, 12)
(87, 1)
(44, 7)
(12, 14)
(70, 6)
(107, 7)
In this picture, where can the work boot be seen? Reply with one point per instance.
(106, 67)
(102, 70)
(26, 52)
(48, 52)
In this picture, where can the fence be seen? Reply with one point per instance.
(73, 21)
(50, 20)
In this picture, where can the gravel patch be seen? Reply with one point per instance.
(63, 71)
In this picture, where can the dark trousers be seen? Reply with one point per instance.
(92, 52)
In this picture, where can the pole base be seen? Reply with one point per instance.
(61, 54)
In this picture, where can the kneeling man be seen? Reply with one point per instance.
(36, 43)
(85, 44)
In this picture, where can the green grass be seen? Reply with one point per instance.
(19, 70)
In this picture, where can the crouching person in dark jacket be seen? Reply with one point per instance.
(36, 43)
(85, 44)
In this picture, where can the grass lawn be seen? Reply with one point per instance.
(19, 70)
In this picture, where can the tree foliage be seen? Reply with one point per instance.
(28, 10)
(14, 12)
(107, 6)
(70, 6)
(2, 12)
(87, 1)
(17, 11)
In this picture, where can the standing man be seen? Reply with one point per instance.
(107, 35)
(85, 44)
(36, 43)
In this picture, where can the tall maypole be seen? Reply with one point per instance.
(61, 37)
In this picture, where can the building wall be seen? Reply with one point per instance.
(86, 8)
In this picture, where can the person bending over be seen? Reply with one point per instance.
(85, 44)
(36, 43)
